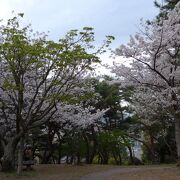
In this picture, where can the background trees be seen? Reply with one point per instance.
(49, 99)
(154, 69)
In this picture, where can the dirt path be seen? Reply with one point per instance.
(96, 172)
(113, 173)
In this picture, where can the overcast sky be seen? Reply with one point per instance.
(108, 17)
(119, 18)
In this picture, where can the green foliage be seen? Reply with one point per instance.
(111, 161)
(95, 160)
(165, 7)
(169, 4)
(112, 97)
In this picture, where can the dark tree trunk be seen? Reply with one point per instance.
(130, 155)
(117, 158)
(99, 159)
(104, 157)
(162, 156)
(90, 152)
(177, 137)
(72, 159)
(152, 153)
(67, 159)
(120, 159)
(46, 157)
(87, 148)
(93, 153)
(20, 156)
(59, 155)
(78, 158)
(94, 147)
(8, 163)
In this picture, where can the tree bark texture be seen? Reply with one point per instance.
(177, 137)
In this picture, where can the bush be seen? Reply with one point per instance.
(111, 161)
(95, 160)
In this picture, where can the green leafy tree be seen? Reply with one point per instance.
(36, 75)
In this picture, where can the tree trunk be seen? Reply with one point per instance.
(87, 148)
(59, 155)
(131, 155)
(120, 159)
(94, 147)
(46, 157)
(20, 156)
(117, 158)
(177, 137)
(93, 153)
(67, 159)
(104, 157)
(8, 157)
(78, 159)
(8, 163)
(72, 159)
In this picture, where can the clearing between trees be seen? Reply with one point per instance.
(93, 172)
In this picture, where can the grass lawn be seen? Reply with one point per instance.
(70, 172)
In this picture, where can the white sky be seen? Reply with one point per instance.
(108, 17)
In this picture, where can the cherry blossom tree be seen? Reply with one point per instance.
(154, 68)
(77, 116)
(37, 74)
(70, 121)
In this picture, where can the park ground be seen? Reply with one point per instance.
(93, 172)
